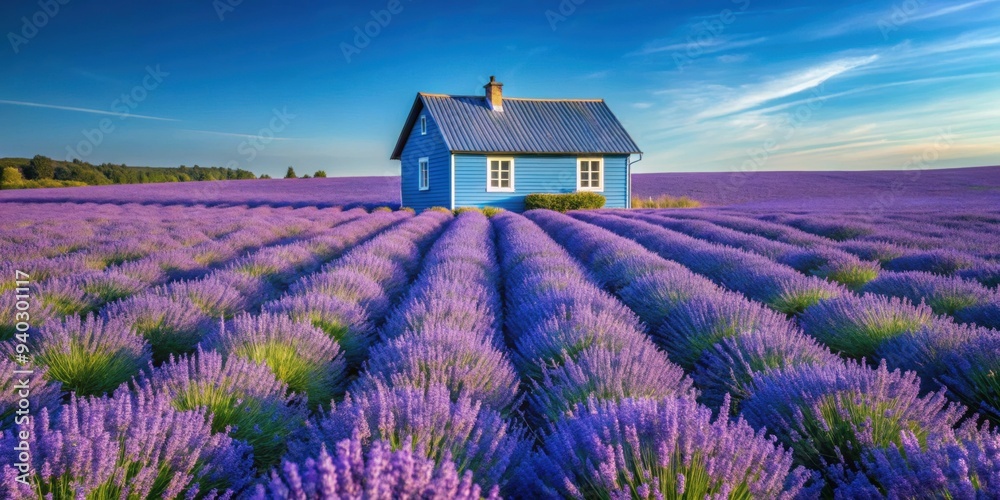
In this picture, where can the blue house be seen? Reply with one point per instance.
(493, 150)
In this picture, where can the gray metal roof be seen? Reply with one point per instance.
(540, 126)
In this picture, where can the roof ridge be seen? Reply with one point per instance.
(555, 99)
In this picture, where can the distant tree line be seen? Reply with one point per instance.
(41, 171)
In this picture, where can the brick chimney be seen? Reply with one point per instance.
(494, 94)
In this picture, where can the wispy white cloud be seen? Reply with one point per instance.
(753, 95)
(642, 105)
(712, 45)
(85, 110)
(894, 15)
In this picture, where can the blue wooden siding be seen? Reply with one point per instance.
(433, 147)
(534, 174)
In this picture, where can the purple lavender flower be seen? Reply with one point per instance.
(941, 466)
(428, 420)
(837, 231)
(881, 251)
(926, 349)
(345, 322)
(944, 295)
(242, 398)
(938, 261)
(109, 286)
(378, 473)
(693, 327)
(667, 448)
(466, 363)
(170, 325)
(833, 415)
(212, 296)
(65, 297)
(38, 391)
(653, 297)
(635, 371)
(348, 286)
(457, 312)
(857, 326)
(298, 354)
(89, 356)
(128, 446)
(728, 368)
(553, 339)
(972, 372)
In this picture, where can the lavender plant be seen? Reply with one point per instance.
(691, 329)
(128, 446)
(345, 322)
(32, 387)
(972, 372)
(465, 362)
(242, 398)
(834, 416)
(942, 466)
(89, 356)
(635, 371)
(378, 472)
(474, 438)
(728, 368)
(857, 326)
(669, 448)
(172, 326)
(300, 355)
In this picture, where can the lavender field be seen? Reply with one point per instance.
(288, 339)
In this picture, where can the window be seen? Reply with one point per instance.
(500, 174)
(425, 174)
(591, 174)
(423, 125)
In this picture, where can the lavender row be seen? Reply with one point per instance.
(251, 376)
(422, 418)
(447, 331)
(822, 419)
(967, 301)
(617, 409)
(894, 248)
(825, 261)
(780, 287)
(87, 291)
(719, 336)
(96, 354)
(929, 254)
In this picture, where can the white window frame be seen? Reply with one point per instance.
(579, 166)
(423, 124)
(424, 167)
(489, 173)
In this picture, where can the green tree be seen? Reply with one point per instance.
(290, 174)
(320, 174)
(265, 176)
(40, 167)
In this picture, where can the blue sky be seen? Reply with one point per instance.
(702, 86)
